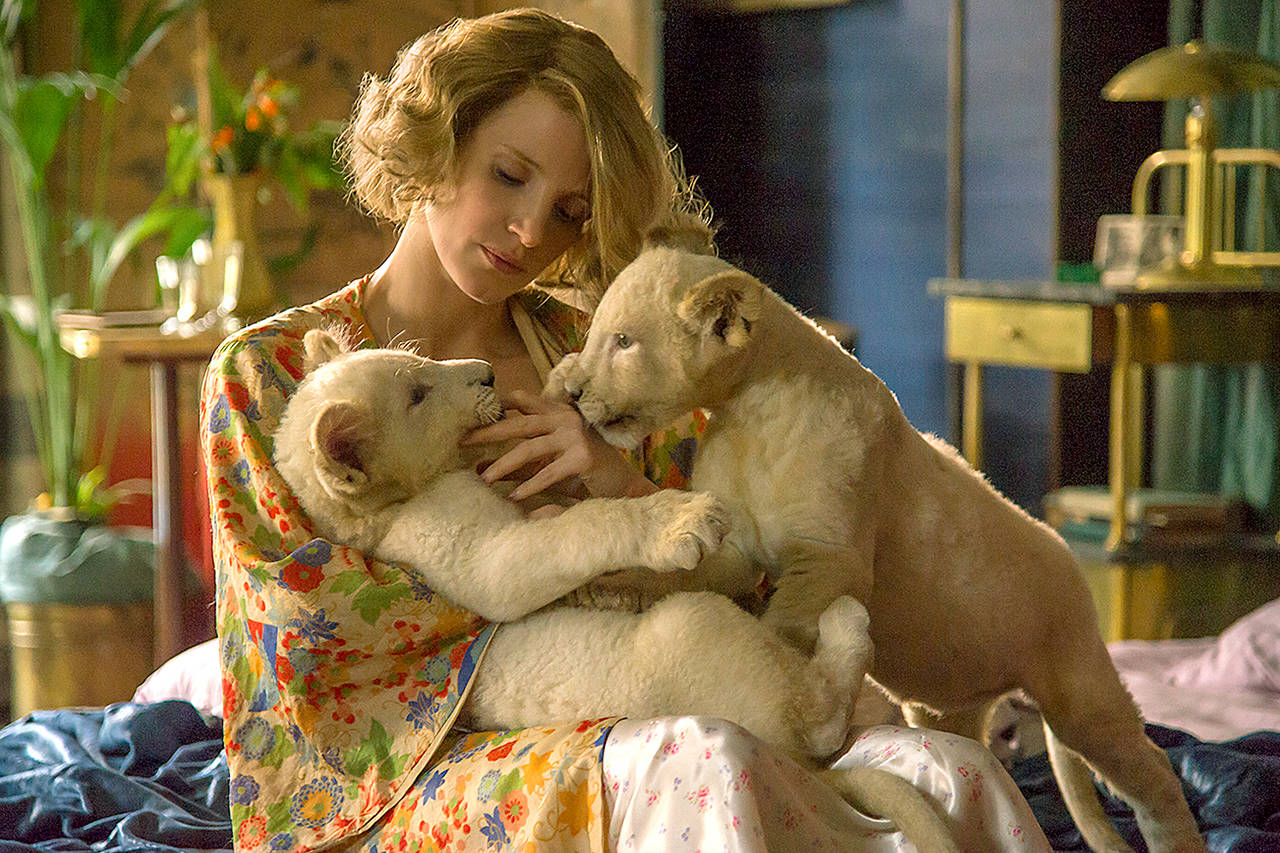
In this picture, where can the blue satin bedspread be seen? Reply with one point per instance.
(1233, 789)
(135, 777)
(129, 777)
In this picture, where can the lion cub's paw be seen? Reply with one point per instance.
(594, 596)
(690, 526)
(556, 386)
(845, 614)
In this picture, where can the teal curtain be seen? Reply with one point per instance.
(1216, 429)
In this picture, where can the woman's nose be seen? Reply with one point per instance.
(529, 226)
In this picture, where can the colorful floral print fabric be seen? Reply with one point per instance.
(533, 789)
(342, 675)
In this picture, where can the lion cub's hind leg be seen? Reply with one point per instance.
(842, 658)
(706, 656)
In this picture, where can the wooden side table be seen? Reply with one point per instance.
(1072, 328)
(163, 354)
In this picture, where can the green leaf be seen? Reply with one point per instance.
(13, 13)
(99, 22)
(94, 236)
(20, 315)
(182, 159)
(87, 487)
(281, 264)
(135, 231)
(150, 28)
(373, 750)
(188, 225)
(107, 51)
(290, 173)
(223, 97)
(373, 599)
(34, 122)
(39, 117)
(348, 582)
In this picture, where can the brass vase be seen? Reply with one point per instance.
(234, 199)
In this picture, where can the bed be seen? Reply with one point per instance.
(1214, 704)
(150, 774)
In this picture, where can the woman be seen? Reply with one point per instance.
(507, 149)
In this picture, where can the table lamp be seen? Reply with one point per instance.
(1199, 71)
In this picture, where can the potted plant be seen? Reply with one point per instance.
(60, 552)
(248, 147)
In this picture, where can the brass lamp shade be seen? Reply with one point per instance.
(1197, 71)
(1192, 70)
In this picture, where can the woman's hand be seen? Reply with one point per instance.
(559, 447)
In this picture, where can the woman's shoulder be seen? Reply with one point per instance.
(280, 335)
(555, 311)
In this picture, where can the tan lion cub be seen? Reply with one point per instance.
(369, 445)
(832, 490)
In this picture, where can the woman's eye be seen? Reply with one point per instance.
(621, 341)
(506, 177)
(570, 216)
(417, 394)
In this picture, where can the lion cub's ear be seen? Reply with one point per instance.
(342, 438)
(320, 346)
(726, 305)
(689, 234)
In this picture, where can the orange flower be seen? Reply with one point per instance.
(501, 752)
(221, 139)
(252, 118)
(221, 450)
(269, 106)
(253, 832)
(575, 809)
(514, 809)
(263, 83)
(537, 766)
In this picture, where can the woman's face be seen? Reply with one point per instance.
(521, 197)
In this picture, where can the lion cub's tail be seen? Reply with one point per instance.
(882, 796)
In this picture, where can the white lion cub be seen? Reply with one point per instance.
(836, 493)
(369, 444)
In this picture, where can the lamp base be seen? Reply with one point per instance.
(1205, 275)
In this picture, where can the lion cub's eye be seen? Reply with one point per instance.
(417, 394)
(621, 341)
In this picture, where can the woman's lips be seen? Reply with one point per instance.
(501, 262)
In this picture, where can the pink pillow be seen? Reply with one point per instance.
(1245, 656)
(194, 675)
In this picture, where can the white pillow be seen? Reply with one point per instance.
(1246, 656)
(194, 675)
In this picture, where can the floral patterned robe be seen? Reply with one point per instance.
(342, 675)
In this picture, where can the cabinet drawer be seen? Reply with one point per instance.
(1020, 333)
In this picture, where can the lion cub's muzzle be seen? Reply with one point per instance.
(488, 406)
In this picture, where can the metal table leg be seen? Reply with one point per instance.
(166, 509)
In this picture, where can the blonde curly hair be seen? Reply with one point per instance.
(408, 130)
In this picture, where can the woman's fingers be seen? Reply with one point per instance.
(526, 416)
(523, 454)
(555, 445)
(532, 403)
(549, 475)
